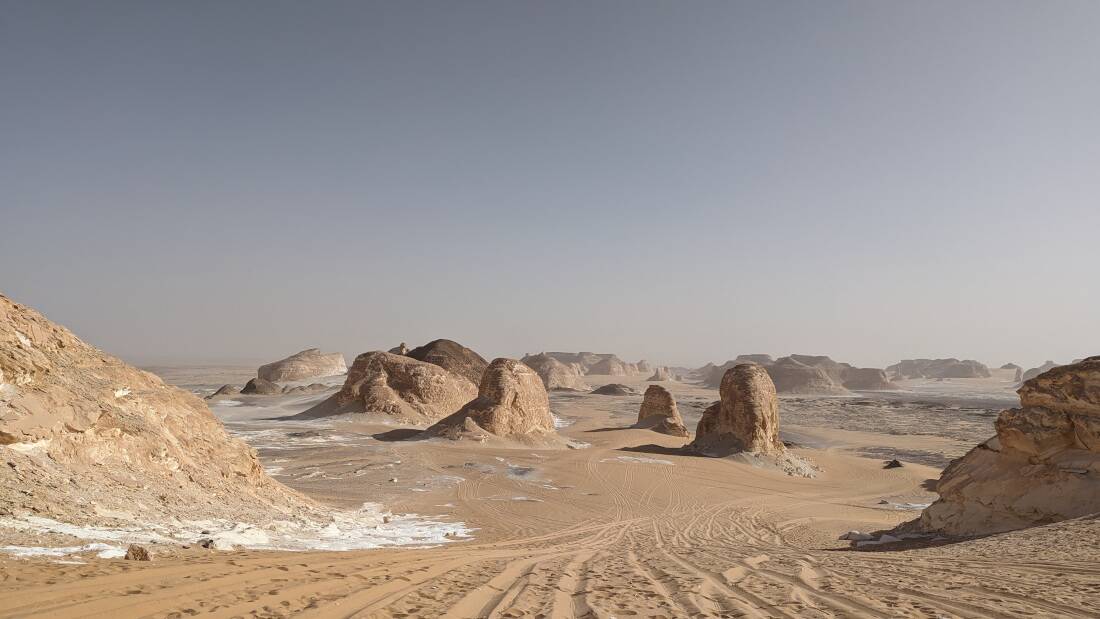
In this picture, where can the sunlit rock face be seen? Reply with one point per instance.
(659, 413)
(309, 363)
(511, 403)
(453, 357)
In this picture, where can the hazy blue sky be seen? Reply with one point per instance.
(680, 181)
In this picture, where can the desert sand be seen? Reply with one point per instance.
(627, 526)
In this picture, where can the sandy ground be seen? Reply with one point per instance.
(626, 527)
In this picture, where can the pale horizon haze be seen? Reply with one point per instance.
(679, 182)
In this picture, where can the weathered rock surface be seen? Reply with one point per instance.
(400, 349)
(1033, 372)
(792, 376)
(83, 434)
(746, 418)
(1042, 466)
(613, 389)
(398, 386)
(937, 368)
(596, 364)
(1011, 366)
(137, 553)
(659, 412)
(259, 386)
(661, 374)
(611, 366)
(866, 379)
(511, 403)
(556, 375)
(309, 363)
(452, 356)
(225, 391)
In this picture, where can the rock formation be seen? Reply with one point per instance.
(452, 356)
(305, 389)
(644, 366)
(1033, 372)
(1011, 366)
(613, 389)
(746, 418)
(659, 413)
(225, 391)
(398, 386)
(310, 363)
(1042, 466)
(661, 374)
(866, 379)
(793, 376)
(937, 368)
(603, 364)
(400, 349)
(259, 386)
(511, 403)
(86, 439)
(712, 374)
(556, 375)
(610, 366)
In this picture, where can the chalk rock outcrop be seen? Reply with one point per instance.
(866, 379)
(556, 375)
(661, 374)
(1033, 372)
(309, 363)
(746, 418)
(1042, 466)
(84, 435)
(225, 391)
(793, 376)
(613, 389)
(398, 386)
(659, 413)
(259, 386)
(511, 403)
(452, 356)
(712, 374)
(937, 368)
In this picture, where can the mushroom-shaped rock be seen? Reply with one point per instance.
(556, 375)
(1042, 466)
(659, 413)
(511, 403)
(452, 356)
(309, 363)
(397, 386)
(746, 418)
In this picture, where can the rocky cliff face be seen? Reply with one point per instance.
(866, 379)
(453, 357)
(659, 412)
(556, 375)
(84, 435)
(1042, 466)
(511, 403)
(937, 368)
(310, 363)
(398, 386)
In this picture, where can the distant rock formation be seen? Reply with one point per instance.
(225, 391)
(400, 349)
(83, 435)
(1019, 375)
(661, 374)
(1042, 466)
(712, 374)
(398, 386)
(594, 364)
(259, 386)
(866, 379)
(659, 413)
(310, 363)
(644, 366)
(1011, 366)
(613, 389)
(746, 422)
(937, 368)
(452, 356)
(556, 375)
(793, 376)
(610, 366)
(1033, 372)
(511, 403)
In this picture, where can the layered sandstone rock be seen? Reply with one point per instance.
(87, 439)
(309, 363)
(556, 375)
(511, 403)
(452, 356)
(397, 386)
(937, 368)
(659, 413)
(1042, 466)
